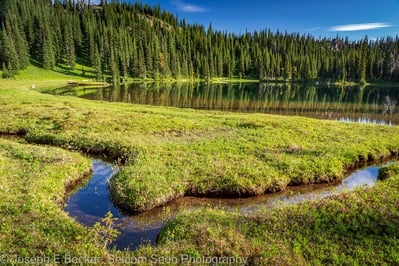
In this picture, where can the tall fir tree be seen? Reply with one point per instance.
(9, 54)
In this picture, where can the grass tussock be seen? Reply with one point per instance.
(388, 171)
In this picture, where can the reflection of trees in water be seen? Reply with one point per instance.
(389, 105)
(318, 101)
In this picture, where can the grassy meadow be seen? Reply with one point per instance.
(167, 153)
(33, 182)
(356, 228)
(170, 152)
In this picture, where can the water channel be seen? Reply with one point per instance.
(91, 202)
(368, 104)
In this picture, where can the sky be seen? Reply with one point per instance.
(321, 18)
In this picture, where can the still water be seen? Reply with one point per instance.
(370, 104)
(92, 201)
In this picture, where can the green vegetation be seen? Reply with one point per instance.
(131, 40)
(33, 182)
(388, 171)
(171, 152)
(168, 152)
(356, 228)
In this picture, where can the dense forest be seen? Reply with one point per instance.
(134, 40)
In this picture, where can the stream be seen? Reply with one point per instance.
(91, 202)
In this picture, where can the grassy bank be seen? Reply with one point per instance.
(354, 228)
(171, 152)
(357, 228)
(33, 182)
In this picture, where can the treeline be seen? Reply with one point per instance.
(135, 40)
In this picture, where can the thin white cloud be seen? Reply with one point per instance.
(189, 8)
(357, 27)
(315, 29)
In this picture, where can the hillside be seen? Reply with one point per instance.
(140, 41)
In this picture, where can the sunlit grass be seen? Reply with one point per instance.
(169, 152)
(356, 228)
(36, 77)
(33, 182)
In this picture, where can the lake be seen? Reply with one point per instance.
(368, 104)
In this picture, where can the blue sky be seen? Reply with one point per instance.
(352, 18)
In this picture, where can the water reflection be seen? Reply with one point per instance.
(91, 202)
(351, 104)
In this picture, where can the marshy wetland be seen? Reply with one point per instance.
(165, 153)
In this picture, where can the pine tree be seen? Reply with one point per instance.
(48, 56)
(6, 73)
(69, 45)
(97, 63)
(18, 40)
(136, 39)
(8, 53)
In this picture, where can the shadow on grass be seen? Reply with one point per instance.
(65, 70)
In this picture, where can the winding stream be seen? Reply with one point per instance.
(91, 202)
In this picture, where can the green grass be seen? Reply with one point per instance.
(37, 77)
(169, 152)
(388, 171)
(234, 79)
(33, 182)
(356, 228)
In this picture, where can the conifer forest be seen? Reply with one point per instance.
(136, 40)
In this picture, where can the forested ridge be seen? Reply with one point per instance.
(134, 40)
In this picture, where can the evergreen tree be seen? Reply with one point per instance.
(9, 54)
(18, 40)
(6, 73)
(69, 45)
(48, 56)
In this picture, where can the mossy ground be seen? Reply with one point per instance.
(169, 152)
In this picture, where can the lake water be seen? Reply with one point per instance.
(378, 105)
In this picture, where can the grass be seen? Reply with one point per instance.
(388, 171)
(171, 152)
(167, 153)
(353, 228)
(351, 83)
(33, 182)
(356, 228)
(36, 77)
(234, 79)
